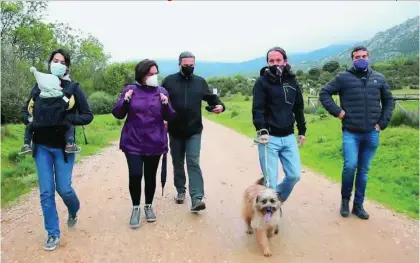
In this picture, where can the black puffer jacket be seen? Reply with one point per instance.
(361, 95)
(277, 105)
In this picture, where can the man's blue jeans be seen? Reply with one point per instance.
(286, 149)
(358, 151)
(54, 173)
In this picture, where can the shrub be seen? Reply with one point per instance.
(404, 117)
(101, 102)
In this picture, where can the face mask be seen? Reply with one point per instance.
(152, 81)
(58, 69)
(361, 64)
(187, 70)
(276, 70)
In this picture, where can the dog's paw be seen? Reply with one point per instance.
(250, 231)
(267, 253)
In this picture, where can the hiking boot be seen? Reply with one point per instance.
(180, 198)
(72, 221)
(72, 148)
(360, 212)
(135, 217)
(344, 210)
(26, 148)
(197, 205)
(51, 243)
(150, 215)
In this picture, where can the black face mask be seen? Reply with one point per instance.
(276, 70)
(187, 70)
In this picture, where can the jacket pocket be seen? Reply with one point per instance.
(289, 94)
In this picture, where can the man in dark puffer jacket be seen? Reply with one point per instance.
(366, 108)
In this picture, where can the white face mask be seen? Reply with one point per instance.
(152, 81)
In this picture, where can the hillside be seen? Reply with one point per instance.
(399, 41)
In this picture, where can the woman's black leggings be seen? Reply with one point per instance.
(136, 163)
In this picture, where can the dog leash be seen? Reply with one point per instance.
(257, 140)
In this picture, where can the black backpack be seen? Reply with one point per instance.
(51, 112)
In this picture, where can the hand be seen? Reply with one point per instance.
(163, 98)
(218, 109)
(263, 138)
(377, 127)
(341, 115)
(302, 140)
(128, 94)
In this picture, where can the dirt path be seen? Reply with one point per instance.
(311, 230)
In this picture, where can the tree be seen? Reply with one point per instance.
(314, 74)
(331, 66)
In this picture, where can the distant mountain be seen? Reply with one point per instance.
(400, 40)
(252, 67)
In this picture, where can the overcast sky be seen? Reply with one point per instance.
(226, 31)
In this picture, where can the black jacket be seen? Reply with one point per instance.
(361, 95)
(80, 114)
(186, 96)
(277, 105)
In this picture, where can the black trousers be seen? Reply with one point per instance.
(137, 166)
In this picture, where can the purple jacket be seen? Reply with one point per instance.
(144, 132)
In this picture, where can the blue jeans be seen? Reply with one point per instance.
(358, 151)
(286, 149)
(54, 173)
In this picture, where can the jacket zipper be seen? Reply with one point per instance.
(365, 79)
(185, 95)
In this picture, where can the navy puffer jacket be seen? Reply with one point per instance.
(365, 97)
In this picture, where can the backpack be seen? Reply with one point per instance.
(51, 112)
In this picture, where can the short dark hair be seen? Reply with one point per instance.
(358, 48)
(278, 49)
(63, 52)
(142, 68)
(185, 54)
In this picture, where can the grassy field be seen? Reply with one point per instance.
(393, 178)
(18, 172)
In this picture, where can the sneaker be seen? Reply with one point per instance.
(344, 209)
(150, 215)
(51, 243)
(25, 149)
(72, 221)
(360, 212)
(135, 217)
(197, 205)
(180, 198)
(73, 148)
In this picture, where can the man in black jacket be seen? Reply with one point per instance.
(277, 104)
(366, 106)
(186, 92)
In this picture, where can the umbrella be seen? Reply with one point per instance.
(164, 165)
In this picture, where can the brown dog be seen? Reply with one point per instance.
(261, 212)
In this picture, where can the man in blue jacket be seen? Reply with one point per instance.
(366, 106)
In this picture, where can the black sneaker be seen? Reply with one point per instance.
(344, 210)
(150, 215)
(197, 205)
(73, 148)
(360, 212)
(25, 149)
(180, 198)
(72, 221)
(135, 217)
(51, 243)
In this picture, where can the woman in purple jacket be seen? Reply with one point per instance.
(143, 137)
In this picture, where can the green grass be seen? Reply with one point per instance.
(18, 172)
(394, 174)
